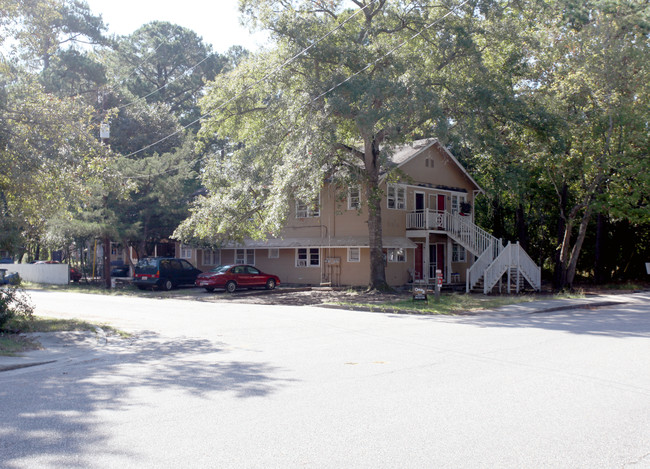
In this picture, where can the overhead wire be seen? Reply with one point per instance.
(287, 62)
(250, 86)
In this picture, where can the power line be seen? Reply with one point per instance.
(287, 62)
(247, 88)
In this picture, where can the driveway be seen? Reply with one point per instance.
(244, 385)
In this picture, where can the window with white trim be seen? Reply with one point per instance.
(396, 196)
(354, 254)
(396, 255)
(307, 257)
(211, 257)
(274, 253)
(354, 198)
(308, 210)
(458, 253)
(456, 200)
(245, 256)
(186, 252)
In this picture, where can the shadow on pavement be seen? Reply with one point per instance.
(50, 412)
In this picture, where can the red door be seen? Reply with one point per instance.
(441, 203)
(419, 252)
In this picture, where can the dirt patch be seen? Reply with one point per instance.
(304, 296)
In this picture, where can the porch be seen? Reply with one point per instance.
(488, 259)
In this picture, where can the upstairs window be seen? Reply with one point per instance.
(354, 198)
(396, 196)
(308, 210)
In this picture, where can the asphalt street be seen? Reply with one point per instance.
(252, 386)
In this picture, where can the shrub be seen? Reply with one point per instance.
(14, 302)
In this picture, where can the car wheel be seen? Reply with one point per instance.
(167, 285)
(209, 289)
(231, 287)
(270, 284)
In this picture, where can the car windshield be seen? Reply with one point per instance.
(220, 269)
(148, 262)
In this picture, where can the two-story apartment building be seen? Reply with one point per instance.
(427, 225)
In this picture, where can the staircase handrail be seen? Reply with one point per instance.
(529, 269)
(469, 235)
(475, 272)
(498, 267)
(513, 255)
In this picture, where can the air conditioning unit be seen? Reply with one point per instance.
(301, 263)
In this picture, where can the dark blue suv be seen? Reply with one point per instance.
(164, 273)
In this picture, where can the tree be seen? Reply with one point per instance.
(167, 63)
(597, 131)
(46, 26)
(333, 109)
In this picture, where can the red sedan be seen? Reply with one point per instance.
(232, 277)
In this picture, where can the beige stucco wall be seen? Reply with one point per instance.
(336, 221)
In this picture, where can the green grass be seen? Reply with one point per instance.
(454, 303)
(12, 344)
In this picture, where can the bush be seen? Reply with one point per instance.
(14, 302)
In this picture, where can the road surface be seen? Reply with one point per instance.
(251, 386)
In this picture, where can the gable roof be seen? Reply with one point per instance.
(404, 154)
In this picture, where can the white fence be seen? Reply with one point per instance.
(53, 274)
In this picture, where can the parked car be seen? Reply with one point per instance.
(232, 277)
(75, 275)
(120, 271)
(164, 273)
(9, 278)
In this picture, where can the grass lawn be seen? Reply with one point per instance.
(454, 303)
(12, 343)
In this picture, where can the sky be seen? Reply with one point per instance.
(217, 21)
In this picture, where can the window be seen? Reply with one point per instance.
(307, 257)
(396, 197)
(245, 256)
(305, 210)
(396, 255)
(186, 252)
(458, 253)
(354, 254)
(211, 257)
(354, 198)
(274, 253)
(456, 200)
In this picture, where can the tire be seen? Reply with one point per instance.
(270, 284)
(166, 285)
(209, 289)
(231, 287)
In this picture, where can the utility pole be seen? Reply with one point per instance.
(104, 135)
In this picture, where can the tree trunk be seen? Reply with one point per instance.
(107, 262)
(577, 247)
(373, 195)
(559, 275)
(522, 227)
(497, 219)
(599, 261)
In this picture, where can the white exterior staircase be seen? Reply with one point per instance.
(494, 261)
